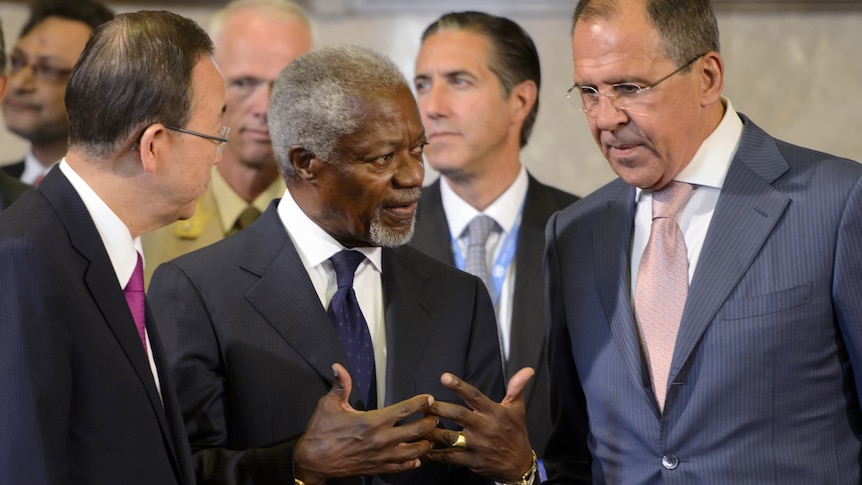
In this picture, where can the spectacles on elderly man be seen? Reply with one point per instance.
(623, 96)
(220, 140)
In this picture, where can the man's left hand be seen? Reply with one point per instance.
(497, 444)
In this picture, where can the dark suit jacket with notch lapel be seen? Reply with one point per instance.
(528, 342)
(79, 404)
(252, 348)
(768, 359)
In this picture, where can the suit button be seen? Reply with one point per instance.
(669, 461)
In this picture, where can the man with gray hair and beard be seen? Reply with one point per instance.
(310, 345)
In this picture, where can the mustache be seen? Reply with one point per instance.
(403, 197)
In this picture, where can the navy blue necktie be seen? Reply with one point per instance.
(351, 327)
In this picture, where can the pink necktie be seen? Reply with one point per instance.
(134, 291)
(662, 284)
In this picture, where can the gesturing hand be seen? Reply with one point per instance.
(497, 445)
(340, 441)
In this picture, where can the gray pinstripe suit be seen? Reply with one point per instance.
(765, 373)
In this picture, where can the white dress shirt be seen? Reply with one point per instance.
(706, 171)
(122, 249)
(315, 246)
(506, 211)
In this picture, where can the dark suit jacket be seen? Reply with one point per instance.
(528, 343)
(10, 189)
(252, 348)
(14, 170)
(767, 363)
(79, 404)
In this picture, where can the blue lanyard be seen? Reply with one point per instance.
(501, 264)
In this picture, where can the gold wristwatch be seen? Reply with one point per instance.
(528, 477)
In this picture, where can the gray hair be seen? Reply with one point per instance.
(316, 99)
(686, 28)
(284, 8)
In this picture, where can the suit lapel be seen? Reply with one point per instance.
(747, 211)
(525, 345)
(408, 320)
(101, 281)
(285, 296)
(612, 235)
(432, 229)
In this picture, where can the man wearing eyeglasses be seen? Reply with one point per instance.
(41, 61)
(254, 40)
(88, 397)
(705, 307)
(10, 188)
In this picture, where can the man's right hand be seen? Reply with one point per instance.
(342, 442)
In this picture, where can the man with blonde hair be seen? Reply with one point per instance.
(254, 40)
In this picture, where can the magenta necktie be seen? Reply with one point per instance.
(662, 284)
(135, 298)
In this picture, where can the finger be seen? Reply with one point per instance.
(515, 390)
(408, 433)
(472, 396)
(401, 410)
(342, 385)
(462, 416)
(444, 438)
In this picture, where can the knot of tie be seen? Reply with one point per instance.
(245, 219)
(345, 264)
(479, 229)
(666, 202)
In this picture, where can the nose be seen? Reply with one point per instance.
(21, 78)
(433, 103)
(411, 172)
(259, 99)
(606, 115)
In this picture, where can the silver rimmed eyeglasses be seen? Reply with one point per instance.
(623, 95)
(220, 140)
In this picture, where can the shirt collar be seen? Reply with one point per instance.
(710, 163)
(231, 205)
(313, 243)
(504, 210)
(122, 249)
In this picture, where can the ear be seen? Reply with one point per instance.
(152, 148)
(711, 78)
(305, 163)
(522, 99)
(3, 81)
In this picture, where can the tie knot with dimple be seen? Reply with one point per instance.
(666, 201)
(345, 264)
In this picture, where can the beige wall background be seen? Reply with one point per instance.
(795, 73)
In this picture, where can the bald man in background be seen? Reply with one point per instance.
(254, 40)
